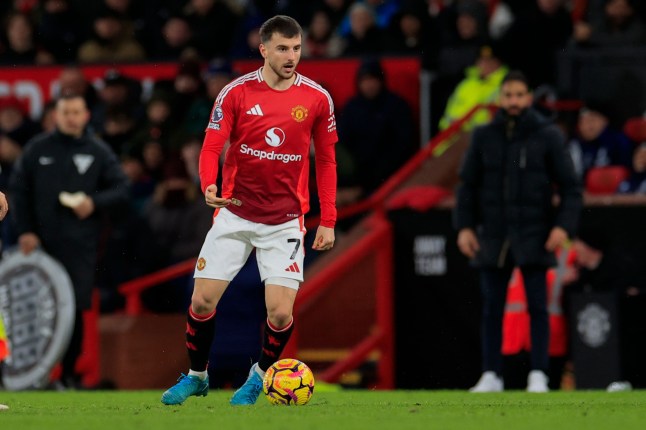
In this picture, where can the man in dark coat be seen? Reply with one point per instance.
(59, 186)
(506, 218)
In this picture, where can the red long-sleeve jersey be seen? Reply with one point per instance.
(266, 166)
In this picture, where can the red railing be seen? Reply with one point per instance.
(377, 241)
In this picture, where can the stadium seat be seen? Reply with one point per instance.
(635, 129)
(605, 180)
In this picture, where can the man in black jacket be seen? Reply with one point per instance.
(58, 188)
(506, 218)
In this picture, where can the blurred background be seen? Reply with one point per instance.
(410, 79)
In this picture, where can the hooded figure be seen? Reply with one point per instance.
(376, 128)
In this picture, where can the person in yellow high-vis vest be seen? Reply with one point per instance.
(481, 85)
(4, 343)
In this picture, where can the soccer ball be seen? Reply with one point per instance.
(288, 382)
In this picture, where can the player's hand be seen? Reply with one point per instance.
(27, 242)
(85, 208)
(212, 199)
(324, 239)
(557, 238)
(4, 206)
(468, 242)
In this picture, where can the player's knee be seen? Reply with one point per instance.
(202, 304)
(279, 317)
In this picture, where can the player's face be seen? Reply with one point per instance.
(72, 116)
(282, 54)
(515, 97)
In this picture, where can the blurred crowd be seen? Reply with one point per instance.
(468, 45)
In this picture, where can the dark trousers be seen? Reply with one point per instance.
(493, 283)
(69, 375)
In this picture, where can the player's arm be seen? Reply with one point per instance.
(326, 183)
(325, 139)
(217, 134)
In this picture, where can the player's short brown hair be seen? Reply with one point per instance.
(281, 24)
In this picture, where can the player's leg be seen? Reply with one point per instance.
(536, 292)
(223, 254)
(493, 283)
(280, 257)
(200, 329)
(280, 321)
(278, 329)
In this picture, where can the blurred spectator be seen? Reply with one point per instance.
(532, 49)
(500, 18)
(413, 32)
(383, 11)
(376, 129)
(113, 41)
(636, 182)
(126, 8)
(118, 92)
(19, 45)
(217, 74)
(187, 93)
(320, 40)
(118, 128)
(335, 9)
(365, 36)
(246, 38)
(178, 220)
(71, 80)
(177, 215)
(597, 143)
(11, 146)
(15, 121)
(619, 26)
(158, 125)
(154, 156)
(16, 128)
(213, 24)
(190, 153)
(176, 42)
(481, 85)
(60, 28)
(140, 185)
(608, 261)
(462, 31)
(47, 118)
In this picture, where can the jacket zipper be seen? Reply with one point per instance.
(522, 163)
(503, 253)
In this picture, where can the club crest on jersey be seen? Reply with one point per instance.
(217, 114)
(201, 263)
(299, 113)
(275, 137)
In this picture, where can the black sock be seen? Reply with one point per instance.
(199, 336)
(274, 341)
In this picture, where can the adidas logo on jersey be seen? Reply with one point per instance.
(255, 111)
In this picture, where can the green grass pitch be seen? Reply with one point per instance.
(344, 410)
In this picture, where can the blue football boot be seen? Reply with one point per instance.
(186, 386)
(250, 390)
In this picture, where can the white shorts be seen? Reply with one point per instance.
(279, 249)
